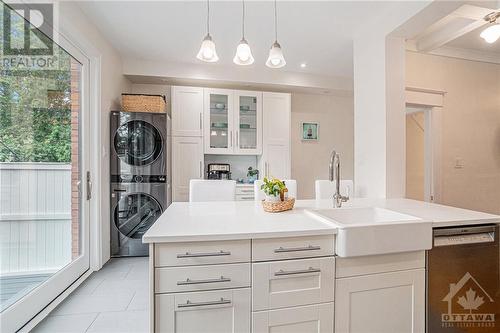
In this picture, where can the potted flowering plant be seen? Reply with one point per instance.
(274, 189)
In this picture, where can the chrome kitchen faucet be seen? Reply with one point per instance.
(338, 198)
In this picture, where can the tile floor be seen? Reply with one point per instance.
(114, 299)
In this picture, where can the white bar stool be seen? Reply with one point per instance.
(211, 190)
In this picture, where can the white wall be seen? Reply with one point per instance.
(379, 100)
(470, 127)
(111, 83)
(335, 115)
(370, 117)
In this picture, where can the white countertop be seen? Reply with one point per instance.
(205, 221)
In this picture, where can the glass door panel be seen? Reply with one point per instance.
(248, 123)
(43, 144)
(219, 121)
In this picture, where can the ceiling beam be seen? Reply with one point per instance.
(455, 28)
(460, 22)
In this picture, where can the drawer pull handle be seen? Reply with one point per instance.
(208, 254)
(189, 304)
(300, 271)
(297, 249)
(189, 281)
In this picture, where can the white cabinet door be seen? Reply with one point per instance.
(187, 111)
(288, 283)
(187, 164)
(223, 311)
(302, 319)
(248, 122)
(218, 121)
(388, 302)
(275, 160)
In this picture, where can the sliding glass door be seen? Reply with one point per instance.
(44, 203)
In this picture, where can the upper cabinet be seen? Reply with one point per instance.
(187, 111)
(233, 122)
(219, 132)
(248, 122)
(275, 159)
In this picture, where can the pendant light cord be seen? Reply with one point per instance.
(275, 22)
(243, 20)
(208, 17)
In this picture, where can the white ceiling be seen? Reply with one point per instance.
(472, 41)
(317, 33)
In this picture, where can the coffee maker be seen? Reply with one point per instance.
(219, 171)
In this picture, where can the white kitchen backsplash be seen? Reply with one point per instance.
(239, 164)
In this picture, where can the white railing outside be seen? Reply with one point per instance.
(35, 217)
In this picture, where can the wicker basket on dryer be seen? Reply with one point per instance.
(143, 103)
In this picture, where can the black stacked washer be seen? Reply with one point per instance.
(138, 178)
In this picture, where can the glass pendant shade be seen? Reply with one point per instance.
(243, 54)
(276, 58)
(491, 34)
(207, 50)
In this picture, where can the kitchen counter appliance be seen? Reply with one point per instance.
(463, 280)
(220, 171)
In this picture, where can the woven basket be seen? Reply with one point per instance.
(143, 103)
(278, 206)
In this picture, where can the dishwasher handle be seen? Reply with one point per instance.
(464, 235)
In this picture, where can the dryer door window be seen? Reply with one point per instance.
(138, 143)
(135, 213)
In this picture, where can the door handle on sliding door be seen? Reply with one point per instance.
(89, 186)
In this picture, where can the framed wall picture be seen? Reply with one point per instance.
(310, 131)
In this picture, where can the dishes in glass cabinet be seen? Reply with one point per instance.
(219, 125)
(220, 106)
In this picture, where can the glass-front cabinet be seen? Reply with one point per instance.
(248, 121)
(219, 136)
(233, 122)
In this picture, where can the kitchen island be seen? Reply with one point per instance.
(231, 267)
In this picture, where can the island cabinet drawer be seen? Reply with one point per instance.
(221, 311)
(318, 318)
(201, 253)
(193, 278)
(293, 247)
(287, 283)
(245, 190)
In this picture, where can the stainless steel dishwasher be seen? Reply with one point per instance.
(463, 280)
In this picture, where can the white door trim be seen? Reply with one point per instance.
(432, 139)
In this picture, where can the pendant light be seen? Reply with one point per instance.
(276, 58)
(492, 33)
(207, 50)
(243, 54)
